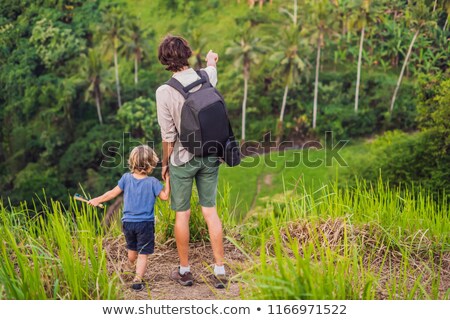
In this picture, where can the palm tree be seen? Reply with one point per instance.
(92, 70)
(289, 60)
(290, 67)
(364, 15)
(135, 45)
(418, 16)
(113, 31)
(66, 95)
(320, 13)
(344, 12)
(245, 51)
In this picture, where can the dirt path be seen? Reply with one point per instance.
(267, 180)
(164, 260)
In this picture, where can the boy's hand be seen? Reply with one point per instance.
(94, 202)
(212, 58)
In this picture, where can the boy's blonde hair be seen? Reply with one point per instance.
(142, 160)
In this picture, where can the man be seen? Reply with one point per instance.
(183, 166)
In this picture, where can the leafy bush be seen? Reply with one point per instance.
(54, 44)
(434, 111)
(101, 142)
(336, 105)
(408, 158)
(34, 179)
(139, 118)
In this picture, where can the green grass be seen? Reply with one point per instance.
(362, 242)
(258, 179)
(309, 235)
(54, 254)
(380, 223)
(349, 243)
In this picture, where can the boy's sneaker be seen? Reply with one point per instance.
(138, 286)
(186, 279)
(219, 281)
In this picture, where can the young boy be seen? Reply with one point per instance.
(140, 192)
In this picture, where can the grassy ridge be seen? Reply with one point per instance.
(308, 236)
(55, 254)
(371, 241)
(59, 253)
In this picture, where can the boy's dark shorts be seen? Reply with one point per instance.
(140, 236)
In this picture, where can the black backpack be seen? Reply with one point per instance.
(205, 128)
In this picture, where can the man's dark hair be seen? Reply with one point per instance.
(174, 53)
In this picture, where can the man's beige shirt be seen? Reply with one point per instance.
(169, 103)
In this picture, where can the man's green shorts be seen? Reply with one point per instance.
(205, 171)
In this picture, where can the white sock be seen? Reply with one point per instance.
(219, 270)
(183, 270)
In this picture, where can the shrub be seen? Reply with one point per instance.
(139, 118)
(407, 158)
(422, 158)
(101, 142)
(33, 179)
(336, 110)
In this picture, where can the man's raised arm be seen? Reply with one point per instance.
(211, 59)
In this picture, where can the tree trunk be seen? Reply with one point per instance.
(280, 121)
(295, 12)
(316, 84)
(199, 61)
(136, 66)
(97, 102)
(405, 63)
(446, 24)
(343, 27)
(244, 108)
(358, 77)
(435, 4)
(283, 105)
(116, 67)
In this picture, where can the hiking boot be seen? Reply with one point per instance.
(138, 286)
(185, 280)
(219, 281)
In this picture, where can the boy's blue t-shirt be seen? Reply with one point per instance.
(139, 197)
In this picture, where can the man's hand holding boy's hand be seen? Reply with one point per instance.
(167, 180)
(212, 58)
(165, 172)
(94, 202)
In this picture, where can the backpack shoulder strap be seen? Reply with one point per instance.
(203, 74)
(204, 80)
(201, 81)
(174, 83)
(231, 133)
